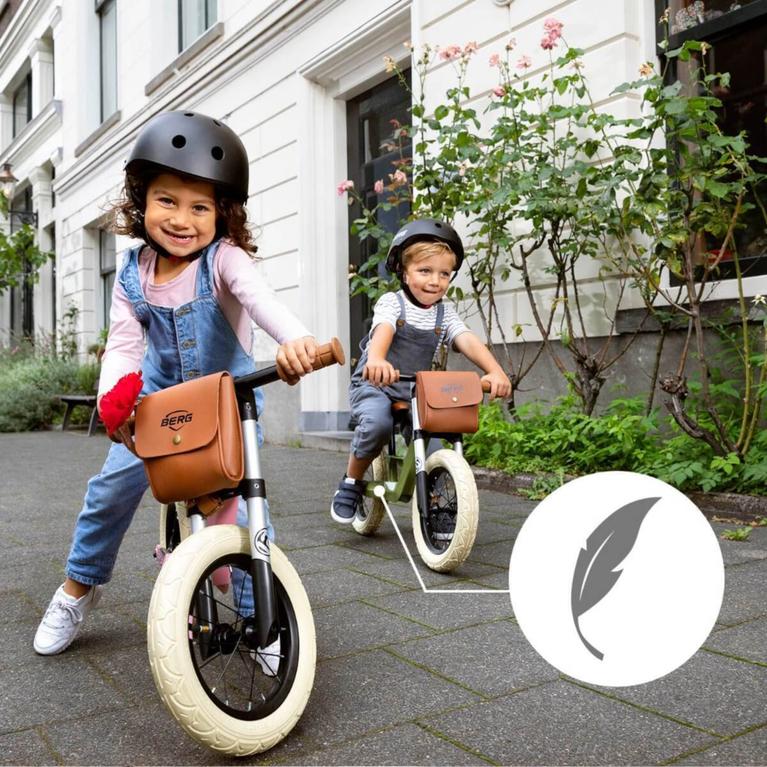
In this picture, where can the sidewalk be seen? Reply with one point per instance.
(403, 677)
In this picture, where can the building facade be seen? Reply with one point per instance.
(303, 83)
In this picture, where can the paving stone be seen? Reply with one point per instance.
(407, 744)
(144, 734)
(444, 611)
(70, 688)
(560, 724)
(25, 747)
(373, 690)
(747, 749)
(746, 640)
(715, 693)
(744, 594)
(338, 586)
(355, 626)
(324, 558)
(497, 553)
(493, 659)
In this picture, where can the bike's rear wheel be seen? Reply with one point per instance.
(445, 535)
(207, 670)
(371, 510)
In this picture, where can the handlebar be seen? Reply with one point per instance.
(331, 353)
(405, 378)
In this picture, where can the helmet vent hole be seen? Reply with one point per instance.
(438, 225)
(217, 152)
(216, 122)
(178, 141)
(188, 114)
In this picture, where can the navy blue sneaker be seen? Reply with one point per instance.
(346, 500)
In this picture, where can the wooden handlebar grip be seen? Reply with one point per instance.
(330, 353)
(485, 386)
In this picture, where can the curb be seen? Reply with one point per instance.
(721, 507)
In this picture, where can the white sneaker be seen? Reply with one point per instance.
(269, 658)
(63, 619)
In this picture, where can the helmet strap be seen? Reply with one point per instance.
(413, 300)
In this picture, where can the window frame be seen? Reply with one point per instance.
(24, 85)
(210, 17)
(103, 9)
(105, 272)
(712, 31)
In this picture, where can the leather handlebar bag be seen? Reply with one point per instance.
(448, 401)
(190, 438)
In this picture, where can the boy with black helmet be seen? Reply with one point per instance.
(408, 326)
(182, 306)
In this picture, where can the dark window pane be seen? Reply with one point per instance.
(687, 14)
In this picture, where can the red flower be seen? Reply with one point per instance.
(116, 406)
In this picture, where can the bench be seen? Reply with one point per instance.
(75, 400)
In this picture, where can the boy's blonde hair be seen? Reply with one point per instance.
(418, 251)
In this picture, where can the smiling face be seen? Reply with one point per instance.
(180, 214)
(428, 276)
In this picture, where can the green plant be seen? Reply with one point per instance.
(28, 390)
(543, 486)
(737, 534)
(20, 258)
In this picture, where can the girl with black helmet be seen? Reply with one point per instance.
(183, 306)
(408, 326)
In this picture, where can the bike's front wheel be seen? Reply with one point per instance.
(445, 534)
(371, 510)
(227, 693)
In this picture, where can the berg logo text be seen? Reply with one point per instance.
(176, 419)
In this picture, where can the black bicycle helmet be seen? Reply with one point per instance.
(423, 229)
(195, 145)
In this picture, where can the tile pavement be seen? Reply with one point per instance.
(403, 677)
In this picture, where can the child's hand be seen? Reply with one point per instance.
(295, 358)
(500, 386)
(380, 372)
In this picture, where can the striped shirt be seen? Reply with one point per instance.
(387, 310)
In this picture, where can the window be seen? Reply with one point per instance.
(737, 33)
(194, 17)
(373, 149)
(107, 262)
(22, 105)
(22, 318)
(107, 12)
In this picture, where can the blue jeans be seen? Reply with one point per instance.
(111, 500)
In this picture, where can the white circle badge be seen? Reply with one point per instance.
(616, 578)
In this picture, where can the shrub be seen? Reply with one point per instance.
(565, 440)
(28, 388)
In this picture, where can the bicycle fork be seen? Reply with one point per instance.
(254, 493)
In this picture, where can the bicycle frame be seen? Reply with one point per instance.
(411, 471)
(252, 489)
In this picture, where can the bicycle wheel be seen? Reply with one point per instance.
(370, 512)
(445, 536)
(208, 670)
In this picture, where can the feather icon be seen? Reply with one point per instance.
(596, 570)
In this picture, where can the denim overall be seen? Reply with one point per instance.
(411, 350)
(185, 342)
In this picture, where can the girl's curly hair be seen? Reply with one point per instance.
(127, 213)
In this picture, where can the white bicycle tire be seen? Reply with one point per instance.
(370, 522)
(171, 662)
(467, 517)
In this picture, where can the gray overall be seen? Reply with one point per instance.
(411, 350)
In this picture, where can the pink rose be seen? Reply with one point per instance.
(451, 52)
(524, 62)
(344, 187)
(553, 26)
(470, 48)
(398, 178)
(499, 91)
(548, 42)
(495, 60)
(378, 187)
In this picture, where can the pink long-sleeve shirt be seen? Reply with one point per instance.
(239, 288)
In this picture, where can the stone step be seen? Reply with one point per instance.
(337, 441)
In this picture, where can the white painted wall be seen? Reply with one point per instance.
(280, 76)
